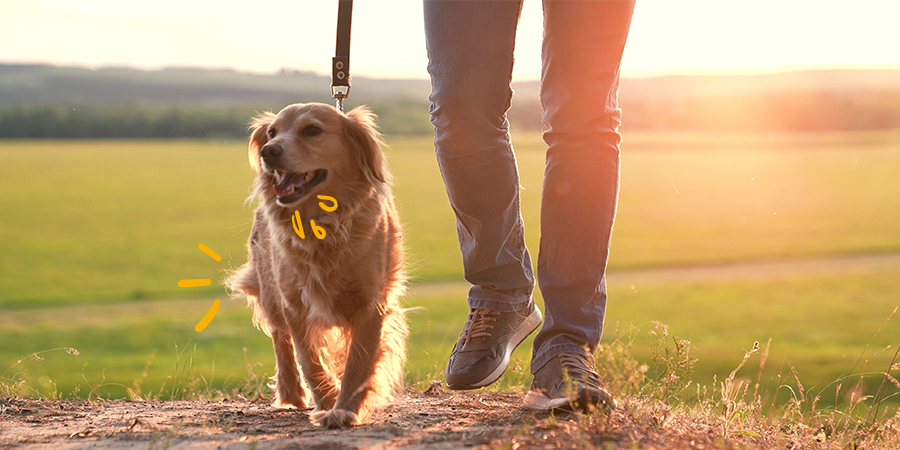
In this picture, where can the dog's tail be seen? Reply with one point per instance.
(244, 283)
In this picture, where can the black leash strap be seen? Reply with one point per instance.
(340, 64)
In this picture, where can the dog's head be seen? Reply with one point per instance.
(310, 149)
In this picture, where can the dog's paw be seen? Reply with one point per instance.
(334, 418)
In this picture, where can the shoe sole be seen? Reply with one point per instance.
(582, 402)
(527, 327)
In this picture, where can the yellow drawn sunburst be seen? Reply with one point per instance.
(203, 282)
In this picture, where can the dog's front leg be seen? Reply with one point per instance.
(288, 387)
(254, 280)
(307, 345)
(289, 391)
(364, 352)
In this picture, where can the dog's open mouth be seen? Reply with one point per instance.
(290, 187)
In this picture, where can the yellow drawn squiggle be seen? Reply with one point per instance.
(298, 224)
(331, 199)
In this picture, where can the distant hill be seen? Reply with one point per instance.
(71, 102)
(29, 84)
(816, 100)
(49, 101)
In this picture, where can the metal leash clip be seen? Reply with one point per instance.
(339, 93)
(340, 64)
(340, 84)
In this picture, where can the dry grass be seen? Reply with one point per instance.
(662, 408)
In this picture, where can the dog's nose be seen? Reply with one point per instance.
(271, 151)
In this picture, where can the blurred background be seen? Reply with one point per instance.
(759, 200)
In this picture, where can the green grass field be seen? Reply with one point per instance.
(94, 236)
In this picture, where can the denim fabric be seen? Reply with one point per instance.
(470, 49)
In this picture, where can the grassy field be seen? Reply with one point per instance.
(94, 236)
(819, 325)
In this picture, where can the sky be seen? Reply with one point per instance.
(667, 36)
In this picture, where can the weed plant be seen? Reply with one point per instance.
(742, 413)
(14, 384)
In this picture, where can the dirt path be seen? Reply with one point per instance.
(755, 270)
(438, 420)
(416, 421)
(762, 270)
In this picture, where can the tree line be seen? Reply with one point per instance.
(771, 112)
(781, 113)
(69, 103)
(84, 120)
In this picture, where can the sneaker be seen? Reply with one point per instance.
(489, 337)
(568, 382)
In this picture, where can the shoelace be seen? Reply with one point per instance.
(579, 368)
(478, 323)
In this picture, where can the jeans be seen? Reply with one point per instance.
(470, 50)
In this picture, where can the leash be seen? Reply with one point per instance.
(340, 64)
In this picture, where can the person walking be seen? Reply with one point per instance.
(470, 59)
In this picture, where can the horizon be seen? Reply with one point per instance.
(637, 75)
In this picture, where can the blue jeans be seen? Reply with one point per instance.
(470, 50)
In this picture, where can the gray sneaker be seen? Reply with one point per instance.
(489, 337)
(568, 382)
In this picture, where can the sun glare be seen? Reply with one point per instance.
(687, 36)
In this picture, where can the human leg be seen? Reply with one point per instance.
(470, 48)
(582, 50)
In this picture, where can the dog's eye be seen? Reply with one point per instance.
(272, 133)
(311, 130)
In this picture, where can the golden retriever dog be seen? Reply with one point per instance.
(329, 299)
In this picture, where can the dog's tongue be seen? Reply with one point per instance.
(287, 183)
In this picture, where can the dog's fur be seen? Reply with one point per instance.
(331, 305)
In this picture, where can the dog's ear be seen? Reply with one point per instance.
(259, 129)
(366, 143)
